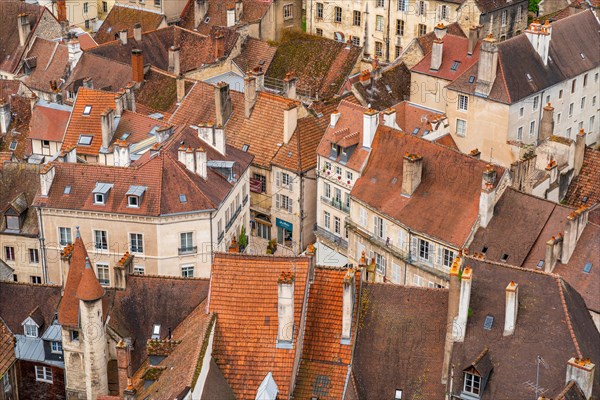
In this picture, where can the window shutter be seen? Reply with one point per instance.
(291, 184)
(439, 255)
(359, 249)
(424, 8)
(277, 201)
(278, 179)
(290, 207)
(376, 226)
(415, 248)
(439, 13)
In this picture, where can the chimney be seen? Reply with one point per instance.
(335, 117)
(190, 160)
(463, 305)
(163, 133)
(389, 118)
(219, 46)
(365, 78)
(46, 178)
(123, 36)
(137, 65)
(231, 16)
(137, 32)
(285, 310)
(512, 308)
(487, 198)
(576, 222)
(539, 36)
(488, 65)
(219, 142)
(130, 97)
(181, 153)
(201, 167)
(107, 122)
(547, 123)
(290, 122)
(121, 154)
(200, 11)
(289, 86)
(260, 78)
(412, 170)
(180, 82)
(552, 170)
(553, 252)
(69, 155)
(123, 365)
(370, 123)
(579, 151)
(473, 36)
(239, 10)
(582, 371)
(119, 103)
(438, 46)
(61, 10)
(174, 65)
(453, 302)
(24, 28)
(223, 107)
(475, 153)
(349, 287)
(5, 116)
(250, 94)
(88, 83)
(74, 52)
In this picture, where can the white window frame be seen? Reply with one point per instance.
(319, 11)
(424, 247)
(103, 236)
(463, 102)
(380, 263)
(30, 329)
(43, 374)
(62, 236)
(337, 15)
(288, 11)
(56, 347)
(462, 132)
(447, 257)
(36, 256)
(379, 227)
(362, 217)
(138, 238)
(103, 273)
(337, 225)
(472, 384)
(99, 198)
(133, 201)
(403, 5)
(183, 243)
(356, 18)
(327, 220)
(139, 270)
(379, 23)
(186, 269)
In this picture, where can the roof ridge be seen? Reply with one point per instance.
(49, 285)
(105, 58)
(179, 278)
(411, 287)
(265, 256)
(567, 316)
(186, 172)
(510, 266)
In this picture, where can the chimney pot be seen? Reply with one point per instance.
(335, 117)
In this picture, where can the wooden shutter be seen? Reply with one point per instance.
(415, 247)
(277, 201)
(278, 179)
(439, 253)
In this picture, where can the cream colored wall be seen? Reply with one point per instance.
(77, 17)
(74, 370)
(50, 151)
(429, 91)
(293, 192)
(23, 268)
(310, 207)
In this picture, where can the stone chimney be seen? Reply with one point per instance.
(123, 365)
(181, 154)
(260, 78)
(579, 151)
(121, 154)
(370, 124)
(120, 103)
(46, 178)
(123, 36)
(250, 95)
(463, 305)
(488, 66)
(539, 35)
(554, 248)
(487, 198)
(438, 46)
(231, 16)
(473, 37)
(285, 310)
(412, 170)
(88, 83)
(163, 133)
(289, 86)
(190, 160)
(453, 303)
(201, 166)
(130, 97)
(107, 123)
(576, 222)
(348, 295)
(174, 64)
(219, 45)
(290, 122)
(180, 82)
(389, 118)
(223, 106)
(137, 65)
(137, 32)
(5, 116)
(219, 140)
(74, 52)
(24, 28)
(547, 122)
(582, 371)
(512, 308)
(334, 118)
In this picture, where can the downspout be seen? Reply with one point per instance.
(301, 236)
(43, 247)
(539, 121)
(387, 38)
(409, 255)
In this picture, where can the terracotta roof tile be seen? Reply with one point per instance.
(68, 311)
(86, 41)
(52, 64)
(587, 183)
(391, 88)
(125, 17)
(454, 50)
(253, 11)
(255, 54)
(89, 288)
(426, 41)
(244, 295)
(137, 126)
(48, 123)
(7, 348)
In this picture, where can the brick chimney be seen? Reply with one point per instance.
(201, 166)
(123, 36)
(123, 365)
(180, 82)
(576, 223)
(231, 16)
(223, 106)
(5, 116)
(219, 45)
(348, 295)
(453, 303)
(61, 10)
(107, 123)
(389, 118)
(547, 122)
(137, 32)
(438, 46)
(512, 308)
(365, 78)
(487, 197)
(488, 66)
(285, 310)
(582, 371)
(289, 86)
(473, 37)
(463, 305)
(579, 151)
(137, 65)
(250, 95)
(290, 122)
(412, 170)
(334, 118)
(24, 28)
(121, 154)
(174, 64)
(370, 124)
(539, 35)
(553, 252)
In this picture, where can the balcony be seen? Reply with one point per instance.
(233, 217)
(331, 239)
(187, 250)
(335, 204)
(333, 177)
(261, 202)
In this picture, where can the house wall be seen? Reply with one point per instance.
(45, 151)
(10, 392)
(77, 16)
(22, 265)
(430, 91)
(492, 21)
(309, 208)
(273, 22)
(29, 388)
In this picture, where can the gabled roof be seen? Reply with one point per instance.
(106, 74)
(125, 17)
(51, 64)
(426, 210)
(415, 119)
(243, 294)
(49, 121)
(158, 93)
(253, 11)
(426, 41)
(135, 127)
(255, 54)
(19, 300)
(20, 180)
(454, 50)
(585, 185)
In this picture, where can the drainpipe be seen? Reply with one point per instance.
(409, 255)
(301, 236)
(539, 121)
(43, 247)
(387, 38)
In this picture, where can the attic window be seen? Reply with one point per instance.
(182, 198)
(207, 20)
(134, 195)
(529, 77)
(67, 190)
(471, 79)
(504, 257)
(455, 65)
(587, 268)
(85, 140)
(100, 192)
(156, 331)
(87, 110)
(585, 199)
(13, 223)
(484, 250)
(489, 321)
(133, 201)
(245, 147)
(398, 394)
(415, 131)
(582, 56)
(13, 145)
(31, 329)
(125, 136)
(540, 264)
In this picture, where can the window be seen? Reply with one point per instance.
(186, 242)
(591, 125)
(519, 14)
(156, 3)
(503, 17)
(582, 103)
(337, 196)
(103, 274)
(337, 225)
(137, 242)
(138, 269)
(284, 202)
(31, 330)
(338, 14)
(461, 127)
(399, 27)
(87, 110)
(319, 32)
(472, 383)
(263, 182)
(9, 253)
(287, 11)
(536, 101)
(338, 171)
(531, 128)
(36, 280)
(104, 7)
(569, 133)
(417, 280)
(379, 227)
(558, 118)
(593, 101)
(422, 29)
(64, 236)
(182, 198)
(43, 374)
(424, 250)
(447, 257)
(13, 222)
(327, 190)
(46, 144)
(379, 23)
(286, 179)
(34, 256)
(347, 196)
(355, 40)
(571, 110)
(74, 335)
(379, 49)
(86, 8)
(380, 263)
(420, 8)
(85, 140)
(99, 198)
(443, 12)
(356, 16)
(187, 271)
(319, 11)
(380, 3)
(402, 5)
(56, 347)
(349, 175)
(362, 217)
(573, 85)
(263, 230)
(327, 220)
(100, 240)
(133, 201)
(596, 77)
(395, 273)
(397, 51)
(520, 133)
(463, 102)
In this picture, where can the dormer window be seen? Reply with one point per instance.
(472, 384)
(87, 110)
(99, 198)
(13, 223)
(156, 331)
(334, 151)
(101, 192)
(134, 196)
(31, 329)
(133, 201)
(56, 347)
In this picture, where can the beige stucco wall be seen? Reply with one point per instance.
(430, 92)
(22, 266)
(48, 151)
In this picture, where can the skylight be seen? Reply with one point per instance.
(582, 56)
(529, 77)
(398, 394)
(487, 324)
(587, 268)
(156, 331)
(484, 250)
(183, 198)
(455, 65)
(415, 131)
(540, 264)
(471, 79)
(85, 140)
(13, 145)
(504, 257)
(67, 190)
(87, 110)
(245, 147)
(125, 136)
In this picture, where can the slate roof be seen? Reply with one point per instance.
(399, 345)
(52, 64)
(106, 74)
(253, 11)
(49, 122)
(454, 49)
(125, 17)
(243, 294)
(20, 180)
(426, 210)
(7, 348)
(255, 54)
(486, 6)
(548, 306)
(587, 183)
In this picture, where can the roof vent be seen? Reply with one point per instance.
(587, 268)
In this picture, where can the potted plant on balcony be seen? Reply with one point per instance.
(272, 246)
(243, 239)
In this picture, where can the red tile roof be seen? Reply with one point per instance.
(106, 74)
(454, 49)
(48, 123)
(410, 116)
(125, 17)
(89, 288)
(86, 41)
(255, 54)
(7, 349)
(52, 64)
(243, 294)
(426, 41)
(137, 125)
(587, 183)
(450, 180)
